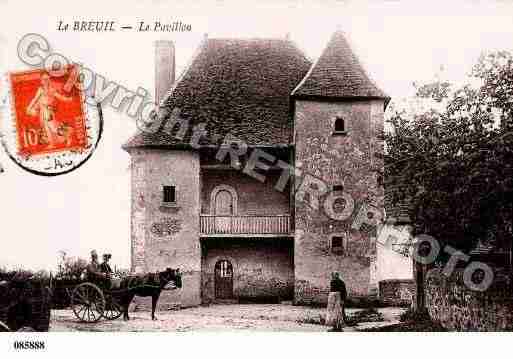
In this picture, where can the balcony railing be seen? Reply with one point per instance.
(245, 225)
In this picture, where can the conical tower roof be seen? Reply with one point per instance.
(338, 74)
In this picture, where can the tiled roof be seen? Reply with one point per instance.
(338, 74)
(236, 86)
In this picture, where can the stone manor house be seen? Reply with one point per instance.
(237, 236)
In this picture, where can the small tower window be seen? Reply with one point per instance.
(338, 188)
(340, 126)
(169, 194)
(337, 244)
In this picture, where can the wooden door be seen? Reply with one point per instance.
(224, 280)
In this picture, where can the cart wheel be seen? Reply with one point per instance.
(113, 309)
(88, 302)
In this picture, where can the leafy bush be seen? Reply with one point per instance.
(70, 268)
(22, 275)
(25, 299)
(412, 315)
(367, 315)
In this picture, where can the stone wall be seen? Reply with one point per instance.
(350, 160)
(459, 308)
(254, 197)
(397, 292)
(263, 268)
(162, 235)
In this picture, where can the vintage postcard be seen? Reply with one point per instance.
(305, 167)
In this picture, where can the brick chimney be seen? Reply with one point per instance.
(164, 68)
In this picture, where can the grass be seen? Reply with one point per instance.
(365, 315)
(411, 321)
(316, 320)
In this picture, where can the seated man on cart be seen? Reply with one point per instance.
(95, 274)
(106, 269)
(105, 266)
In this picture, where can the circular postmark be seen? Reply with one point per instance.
(47, 126)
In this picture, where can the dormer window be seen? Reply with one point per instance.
(339, 128)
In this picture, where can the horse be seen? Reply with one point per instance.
(146, 285)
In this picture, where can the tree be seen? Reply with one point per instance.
(454, 160)
(70, 268)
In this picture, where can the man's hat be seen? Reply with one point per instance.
(93, 252)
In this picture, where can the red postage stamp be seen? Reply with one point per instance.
(49, 112)
(47, 125)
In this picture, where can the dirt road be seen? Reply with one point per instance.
(259, 317)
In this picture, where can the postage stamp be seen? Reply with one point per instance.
(47, 126)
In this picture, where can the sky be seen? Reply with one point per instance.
(398, 43)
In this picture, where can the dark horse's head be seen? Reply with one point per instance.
(169, 278)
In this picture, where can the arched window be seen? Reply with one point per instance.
(340, 126)
(223, 201)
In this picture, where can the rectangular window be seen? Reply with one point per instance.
(169, 194)
(338, 188)
(337, 245)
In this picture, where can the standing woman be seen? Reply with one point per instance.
(335, 314)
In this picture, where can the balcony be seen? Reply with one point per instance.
(239, 226)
